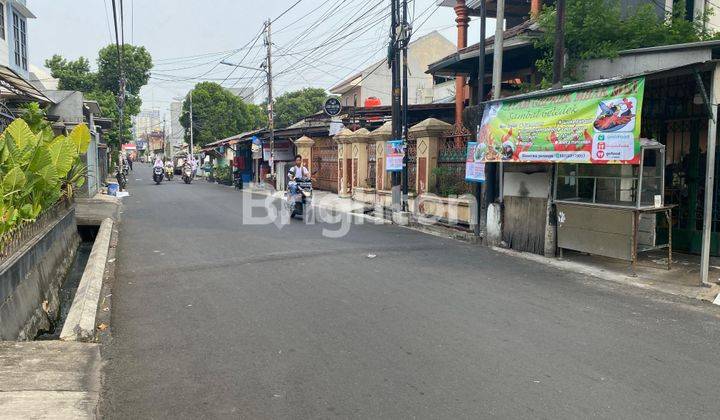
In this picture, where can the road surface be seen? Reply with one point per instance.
(215, 319)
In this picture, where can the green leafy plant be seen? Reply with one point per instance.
(447, 182)
(37, 169)
(601, 29)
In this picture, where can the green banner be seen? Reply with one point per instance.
(598, 125)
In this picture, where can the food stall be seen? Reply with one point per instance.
(611, 210)
(604, 186)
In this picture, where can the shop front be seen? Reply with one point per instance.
(610, 167)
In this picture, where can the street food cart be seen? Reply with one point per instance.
(611, 210)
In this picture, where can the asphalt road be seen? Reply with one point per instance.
(215, 319)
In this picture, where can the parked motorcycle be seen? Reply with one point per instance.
(158, 174)
(187, 174)
(169, 173)
(302, 199)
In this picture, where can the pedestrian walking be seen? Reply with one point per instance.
(130, 161)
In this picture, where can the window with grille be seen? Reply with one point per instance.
(20, 35)
(2, 21)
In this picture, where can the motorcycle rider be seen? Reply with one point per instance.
(296, 172)
(158, 162)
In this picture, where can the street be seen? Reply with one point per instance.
(215, 319)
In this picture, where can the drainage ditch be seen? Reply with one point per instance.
(66, 294)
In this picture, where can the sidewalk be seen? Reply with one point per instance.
(49, 379)
(650, 272)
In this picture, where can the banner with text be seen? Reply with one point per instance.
(394, 153)
(597, 125)
(474, 169)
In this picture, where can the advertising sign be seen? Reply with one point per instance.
(598, 125)
(394, 152)
(283, 150)
(474, 166)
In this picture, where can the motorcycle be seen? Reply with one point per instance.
(169, 173)
(302, 199)
(187, 174)
(121, 178)
(158, 174)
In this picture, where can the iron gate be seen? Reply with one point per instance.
(325, 164)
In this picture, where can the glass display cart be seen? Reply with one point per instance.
(611, 209)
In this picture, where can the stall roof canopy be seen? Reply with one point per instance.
(228, 141)
(14, 86)
(517, 50)
(655, 74)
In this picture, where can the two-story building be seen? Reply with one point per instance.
(375, 81)
(14, 15)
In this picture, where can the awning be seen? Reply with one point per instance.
(12, 86)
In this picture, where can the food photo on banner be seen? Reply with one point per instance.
(474, 164)
(598, 125)
(394, 153)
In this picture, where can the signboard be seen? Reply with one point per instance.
(474, 166)
(598, 125)
(332, 107)
(283, 150)
(394, 152)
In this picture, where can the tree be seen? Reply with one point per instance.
(217, 114)
(601, 29)
(137, 63)
(291, 107)
(73, 75)
(102, 85)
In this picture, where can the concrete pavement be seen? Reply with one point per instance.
(215, 319)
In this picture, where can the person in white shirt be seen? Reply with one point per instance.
(296, 172)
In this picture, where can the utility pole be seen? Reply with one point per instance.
(191, 126)
(405, 33)
(270, 110)
(394, 58)
(481, 200)
(559, 50)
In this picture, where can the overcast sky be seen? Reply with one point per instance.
(176, 32)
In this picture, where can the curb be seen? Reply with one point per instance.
(80, 322)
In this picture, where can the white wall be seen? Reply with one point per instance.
(4, 51)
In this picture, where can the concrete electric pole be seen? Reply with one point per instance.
(270, 110)
(394, 58)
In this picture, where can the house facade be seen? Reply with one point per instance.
(375, 80)
(14, 16)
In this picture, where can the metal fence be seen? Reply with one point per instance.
(13, 240)
(450, 171)
(411, 151)
(372, 167)
(325, 164)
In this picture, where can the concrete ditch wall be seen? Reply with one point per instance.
(33, 276)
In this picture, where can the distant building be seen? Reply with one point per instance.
(147, 121)
(177, 131)
(375, 81)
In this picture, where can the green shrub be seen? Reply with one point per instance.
(37, 169)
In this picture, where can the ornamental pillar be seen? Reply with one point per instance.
(344, 163)
(303, 147)
(359, 155)
(462, 19)
(428, 134)
(380, 136)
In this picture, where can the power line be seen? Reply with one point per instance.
(286, 10)
(107, 20)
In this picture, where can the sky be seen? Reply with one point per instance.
(316, 42)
